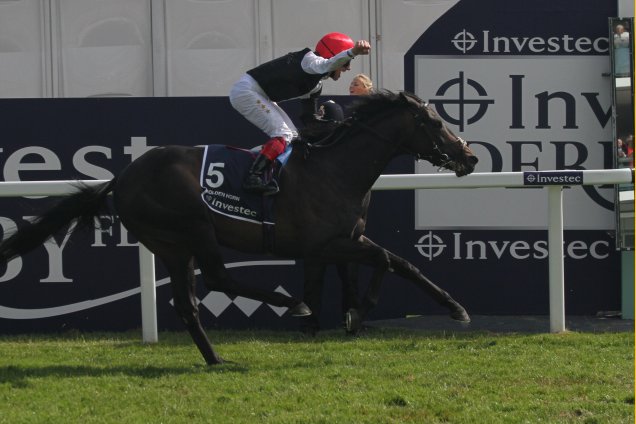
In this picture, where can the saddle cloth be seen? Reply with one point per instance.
(221, 178)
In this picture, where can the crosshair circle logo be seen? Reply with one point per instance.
(461, 101)
(464, 41)
(430, 246)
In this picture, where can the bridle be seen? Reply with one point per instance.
(438, 157)
(442, 158)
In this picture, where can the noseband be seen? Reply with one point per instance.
(442, 158)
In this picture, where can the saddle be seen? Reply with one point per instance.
(222, 173)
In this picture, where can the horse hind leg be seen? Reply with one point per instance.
(216, 278)
(181, 272)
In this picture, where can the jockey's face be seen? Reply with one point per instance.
(335, 75)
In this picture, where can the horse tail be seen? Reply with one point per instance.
(84, 205)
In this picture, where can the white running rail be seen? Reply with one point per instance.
(553, 180)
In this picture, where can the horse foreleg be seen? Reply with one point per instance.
(406, 270)
(348, 274)
(314, 275)
(361, 251)
(183, 283)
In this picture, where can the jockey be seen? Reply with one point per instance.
(295, 75)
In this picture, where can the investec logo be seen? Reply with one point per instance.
(553, 178)
(486, 42)
(431, 245)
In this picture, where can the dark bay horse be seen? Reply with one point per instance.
(321, 209)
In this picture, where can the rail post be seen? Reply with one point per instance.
(148, 295)
(555, 259)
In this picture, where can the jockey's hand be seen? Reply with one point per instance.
(361, 47)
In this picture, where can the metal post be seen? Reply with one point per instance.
(148, 295)
(555, 258)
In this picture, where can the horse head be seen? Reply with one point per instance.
(444, 148)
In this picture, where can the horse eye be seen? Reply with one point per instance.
(437, 124)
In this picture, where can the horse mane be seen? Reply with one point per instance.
(322, 133)
(366, 107)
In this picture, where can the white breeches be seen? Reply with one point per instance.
(249, 99)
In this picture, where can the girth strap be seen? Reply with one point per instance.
(268, 237)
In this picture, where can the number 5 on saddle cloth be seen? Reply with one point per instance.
(222, 173)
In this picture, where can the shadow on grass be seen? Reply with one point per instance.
(21, 376)
(182, 338)
(399, 340)
(18, 376)
(368, 333)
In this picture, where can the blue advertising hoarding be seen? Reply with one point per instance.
(527, 97)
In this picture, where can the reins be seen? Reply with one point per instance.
(438, 157)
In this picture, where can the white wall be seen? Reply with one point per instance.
(22, 61)
(105, 47)
(400, 24)
(81, 48)
(625, 8)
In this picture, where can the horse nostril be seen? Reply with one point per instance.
(473, 160)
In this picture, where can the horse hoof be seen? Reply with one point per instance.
(300, 310)
(460, 314)
(217, 360)
(353, 323)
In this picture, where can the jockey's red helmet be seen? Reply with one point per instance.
(332, 44)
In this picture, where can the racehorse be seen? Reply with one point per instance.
(320, 211)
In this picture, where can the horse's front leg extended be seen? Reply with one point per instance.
(405, 269)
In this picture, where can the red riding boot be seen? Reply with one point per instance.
(255, 180)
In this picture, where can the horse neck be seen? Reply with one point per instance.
(360, 157)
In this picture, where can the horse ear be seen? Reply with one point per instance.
(408, 98)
